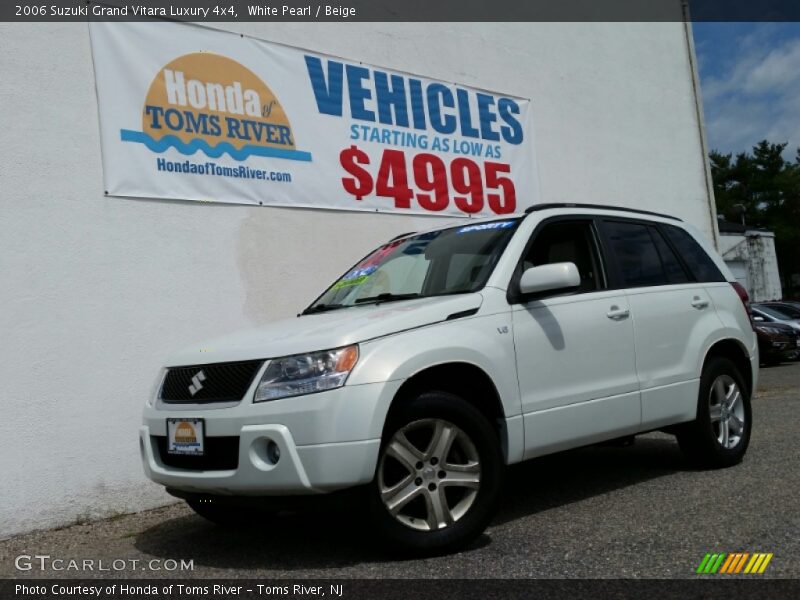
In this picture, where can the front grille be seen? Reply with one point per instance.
(221, 382)
(220, 454)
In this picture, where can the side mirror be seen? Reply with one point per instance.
(758, 319)
(548, 278)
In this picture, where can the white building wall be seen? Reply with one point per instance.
(97, 291)
(752, 258)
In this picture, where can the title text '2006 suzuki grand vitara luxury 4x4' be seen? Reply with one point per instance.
(445, 355)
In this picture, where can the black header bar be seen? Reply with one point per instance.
(209, 11)
(706, 588)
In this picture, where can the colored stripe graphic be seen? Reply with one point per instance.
(711, 563)
(740, 564)
(703, 563)
(758, 563)
(752, 562)
(717, 564)
(724, 563)
(765, 563)
(732, 558)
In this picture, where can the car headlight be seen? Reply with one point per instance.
(770, 330)
(155, 391)
(306, 373)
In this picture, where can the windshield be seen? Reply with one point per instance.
(447, 261)
(789, 311)
(774, 313)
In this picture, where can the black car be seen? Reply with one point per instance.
(777, 343)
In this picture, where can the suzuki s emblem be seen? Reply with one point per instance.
(197, 382)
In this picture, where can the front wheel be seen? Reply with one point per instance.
(439, 475)
(721, 433)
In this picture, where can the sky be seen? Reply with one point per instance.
(750, 84)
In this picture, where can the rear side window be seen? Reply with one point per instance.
(672, 265)
(636, 254)
(699, 263)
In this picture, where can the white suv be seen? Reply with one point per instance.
(445, 355)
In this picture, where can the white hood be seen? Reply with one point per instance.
(326, 330)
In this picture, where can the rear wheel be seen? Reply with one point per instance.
(721, 433)
(439, 475)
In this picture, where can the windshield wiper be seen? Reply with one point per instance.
(386, 297)
(318, 308)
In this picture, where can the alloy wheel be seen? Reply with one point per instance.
(429, 474)
(727, 411)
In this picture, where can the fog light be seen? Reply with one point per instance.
(273, 452)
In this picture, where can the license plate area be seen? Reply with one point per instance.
(186, 437)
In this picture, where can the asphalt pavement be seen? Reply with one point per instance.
(610, 512)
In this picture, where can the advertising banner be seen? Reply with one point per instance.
(192, 113)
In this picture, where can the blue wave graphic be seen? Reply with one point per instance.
(171, 141)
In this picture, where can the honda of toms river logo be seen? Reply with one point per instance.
(734, 563)
(209, 103)
(185, 433)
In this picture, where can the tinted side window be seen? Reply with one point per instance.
(672, 266)
(637, 258)
(700, 264)
(567, 241)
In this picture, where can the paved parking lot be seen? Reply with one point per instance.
(638, 511)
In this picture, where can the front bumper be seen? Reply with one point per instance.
(301, 469)
(327, 441)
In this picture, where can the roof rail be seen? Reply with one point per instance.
(537, 207)
(402, 235)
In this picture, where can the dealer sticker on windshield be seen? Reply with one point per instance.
(185, 436)
(486, 226)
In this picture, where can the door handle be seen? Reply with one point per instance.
(699, 303)
(618, 314)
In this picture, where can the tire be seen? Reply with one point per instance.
(229, 516)
(704, 440)
(421, 503)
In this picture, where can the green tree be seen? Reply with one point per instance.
(763, 189)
